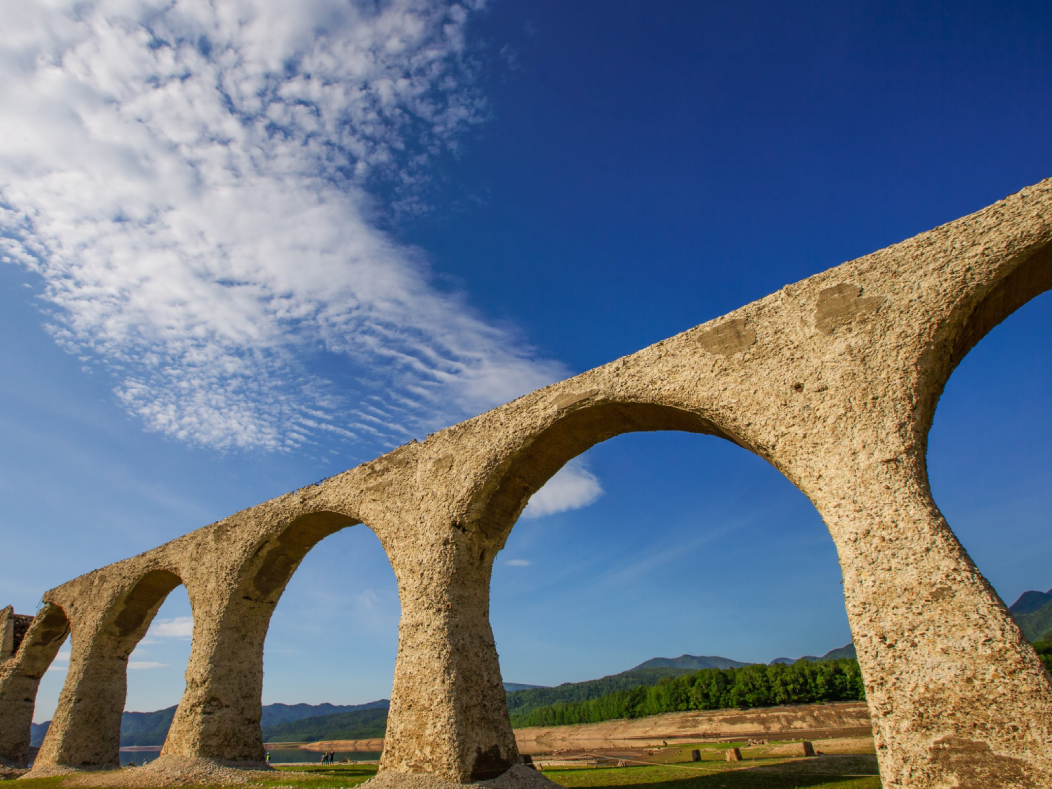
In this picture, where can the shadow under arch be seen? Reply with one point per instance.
(570, 436)
(132, 614)
(20, 677)
(266, 574)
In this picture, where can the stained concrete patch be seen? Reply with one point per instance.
(840, 304)
(728, 338)
(976, 766)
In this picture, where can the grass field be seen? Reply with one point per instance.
(850, 771)
(827, 773)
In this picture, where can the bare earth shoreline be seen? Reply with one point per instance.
(805, 721)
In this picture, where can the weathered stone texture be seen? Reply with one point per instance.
(20, 677)
(833, 380)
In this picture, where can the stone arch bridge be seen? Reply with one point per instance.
(833, 380)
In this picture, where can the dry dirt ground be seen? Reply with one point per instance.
(804, 721)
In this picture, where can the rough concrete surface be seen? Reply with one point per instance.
(834, 380)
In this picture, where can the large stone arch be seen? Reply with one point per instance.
(85, 731)
(574, 432)
(20, 677)
(219, 714)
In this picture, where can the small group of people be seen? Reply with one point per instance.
(328, 757)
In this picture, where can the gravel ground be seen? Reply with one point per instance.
(174, 771)
(518, 777)
(182, 771)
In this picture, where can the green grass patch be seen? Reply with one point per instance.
(321, 776)
(826, 773)
(829, 772)
(328, 776)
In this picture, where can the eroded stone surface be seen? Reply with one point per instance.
(833, 380)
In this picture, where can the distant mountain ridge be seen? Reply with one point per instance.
(1033, 613)
(150, 728)
(360, 724)
(846, 651)
(692, 662)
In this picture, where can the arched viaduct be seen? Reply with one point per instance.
(833, 380)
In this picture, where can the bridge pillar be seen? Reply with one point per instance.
(19, 679)
(956, 694)
(449, 714)
(219, 714)
(85, 732)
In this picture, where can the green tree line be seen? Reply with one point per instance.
(1044, 651)
(803, 682)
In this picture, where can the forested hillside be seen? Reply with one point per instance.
(357, 725)
(804, 682)
(524, 701)
(1033, 613)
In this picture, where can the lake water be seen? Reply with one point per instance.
(138, 756)
(277, 756)
(300, 755)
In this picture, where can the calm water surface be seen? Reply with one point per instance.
(299, 755)
(277, 756)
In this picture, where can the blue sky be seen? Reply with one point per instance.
(251, 245)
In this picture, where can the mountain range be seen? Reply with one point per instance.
(150, 728)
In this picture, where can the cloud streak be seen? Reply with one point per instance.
(572, 488)
(195, 184)
(181, 627)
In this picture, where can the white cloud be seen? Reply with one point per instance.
(518, 563)
(191, 182)
(145, 664)
(572, 488)
(177, 627)
(61, 657)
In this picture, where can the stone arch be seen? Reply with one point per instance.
(272, 564)
(1016, 282)
(572, 434)
(85, 731)
(444, 588)
(219, 715)
(20, 677)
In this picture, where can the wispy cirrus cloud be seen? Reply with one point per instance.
(194, 183)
